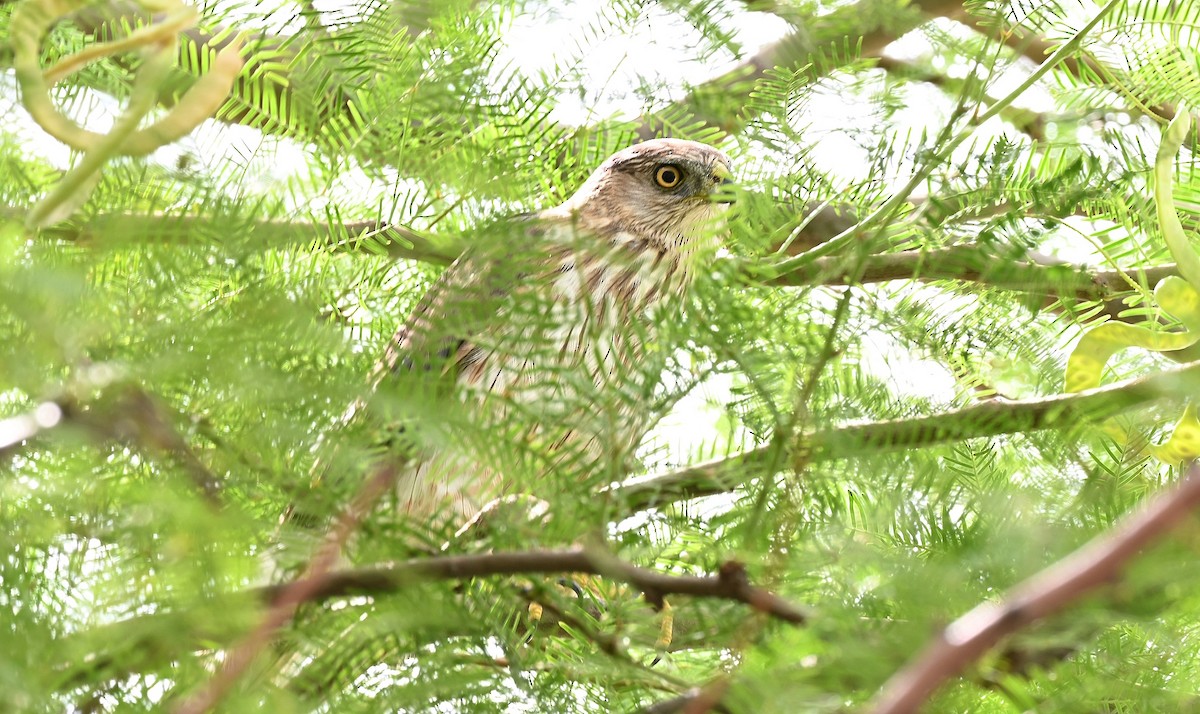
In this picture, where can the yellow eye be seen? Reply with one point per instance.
(668, 176)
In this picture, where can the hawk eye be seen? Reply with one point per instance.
(668, 175)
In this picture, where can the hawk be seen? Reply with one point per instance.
(544, 317)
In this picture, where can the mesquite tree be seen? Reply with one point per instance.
(940, 369)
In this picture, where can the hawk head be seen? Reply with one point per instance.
(669, 192)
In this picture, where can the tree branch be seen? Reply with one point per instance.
(723, 476)
(968, 262)
(977, 264)
(1036, 48)
(1098, 563)
(395, 240)
(140, 640)
(695, 701)
(721, 101)
(990, 418)
(730, 583)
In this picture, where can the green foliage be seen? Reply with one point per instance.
(213, 309)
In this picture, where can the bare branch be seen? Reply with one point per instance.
(1037, 48)
(1098, 563)
(606, 643)
(720, 102)
(730, 583)
(286, 599)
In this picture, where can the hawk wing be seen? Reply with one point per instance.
(441, 334)
(530, 328)
(427, 353)
(473, 334)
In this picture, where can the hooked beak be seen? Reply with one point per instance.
(723, 187)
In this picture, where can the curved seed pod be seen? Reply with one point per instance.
(77, 184)
(1179, 297)
(1097, 346)
(163, 31)
(32, 19)
(1168, 221)
(200, 102)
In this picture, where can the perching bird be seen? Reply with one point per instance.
(538, 323)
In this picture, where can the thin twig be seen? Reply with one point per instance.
(1037, 48)
(140, 417)
(606, 643)
(1098, 563)
(610, 645)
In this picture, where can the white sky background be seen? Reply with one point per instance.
(615, 68)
